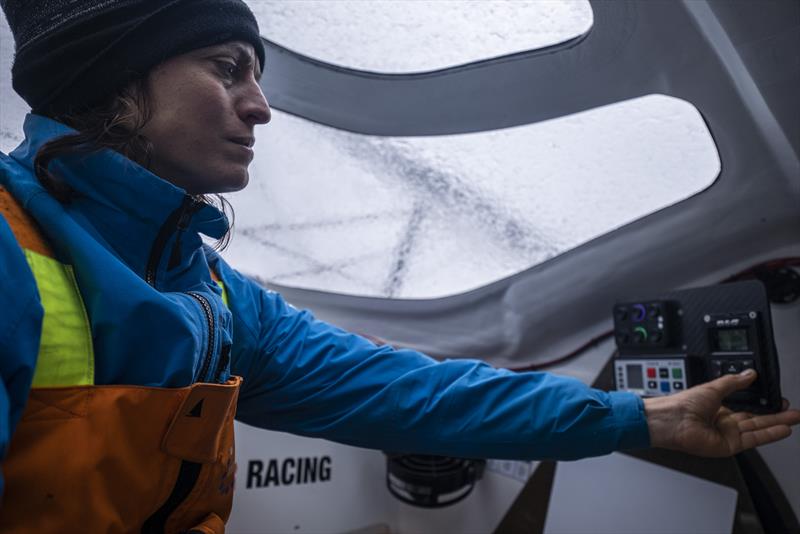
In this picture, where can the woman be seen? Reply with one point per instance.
(117, 402)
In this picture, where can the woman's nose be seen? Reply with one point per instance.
(254, 108)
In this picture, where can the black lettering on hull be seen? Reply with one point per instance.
(288, 471)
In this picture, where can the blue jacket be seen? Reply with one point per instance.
(134, 241)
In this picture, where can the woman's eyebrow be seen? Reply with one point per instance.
(245, 55)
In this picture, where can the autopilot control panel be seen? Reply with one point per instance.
(670, 342)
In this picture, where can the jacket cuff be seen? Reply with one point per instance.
(630, 420)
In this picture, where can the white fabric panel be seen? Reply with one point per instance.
(420, 35)
(624, 495)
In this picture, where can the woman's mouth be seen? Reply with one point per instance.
(244, 147)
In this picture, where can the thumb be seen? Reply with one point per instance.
(725, 385)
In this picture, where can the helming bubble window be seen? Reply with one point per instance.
(424, 217)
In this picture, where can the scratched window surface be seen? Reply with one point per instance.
(403, 36)
(423, 217)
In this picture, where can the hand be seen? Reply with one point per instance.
(695, 421)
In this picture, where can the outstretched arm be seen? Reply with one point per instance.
(695, 421)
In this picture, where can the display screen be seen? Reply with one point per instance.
(732, 340)
(635, 380)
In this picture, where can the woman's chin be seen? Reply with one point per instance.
(236, 184)
(219, 183)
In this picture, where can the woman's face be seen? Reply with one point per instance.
(205, 105)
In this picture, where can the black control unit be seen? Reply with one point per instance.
(678, 339)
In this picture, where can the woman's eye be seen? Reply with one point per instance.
(228, 69)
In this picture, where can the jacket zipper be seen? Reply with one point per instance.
(183, 224)
(224, 358)
(189, 472)
(178, 220)
(211, 335)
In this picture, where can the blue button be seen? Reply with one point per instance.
(665, 387)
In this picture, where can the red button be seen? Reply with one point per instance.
(651, 372)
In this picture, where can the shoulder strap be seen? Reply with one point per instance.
(25, 229)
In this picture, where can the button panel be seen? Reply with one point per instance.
(720, 367)
(650, 378)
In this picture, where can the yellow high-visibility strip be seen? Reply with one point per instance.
(66, 355)
(224, 293)
(215, 277)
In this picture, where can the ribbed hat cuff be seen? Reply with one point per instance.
(85, 62)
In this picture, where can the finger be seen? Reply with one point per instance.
(724, 414)
(757, 438)
(787, 418)
(727, 384)
(740, 416)
(785, 404)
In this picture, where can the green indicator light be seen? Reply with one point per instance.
(642, 331)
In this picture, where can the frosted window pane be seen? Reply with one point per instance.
(419, 35)
(432, 216)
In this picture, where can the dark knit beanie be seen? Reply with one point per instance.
(73, 54)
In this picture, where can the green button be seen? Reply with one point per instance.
(677, 372)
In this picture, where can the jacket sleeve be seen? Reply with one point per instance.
(20, 329)
(308, 377)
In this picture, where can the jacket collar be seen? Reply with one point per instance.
(117, 198)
